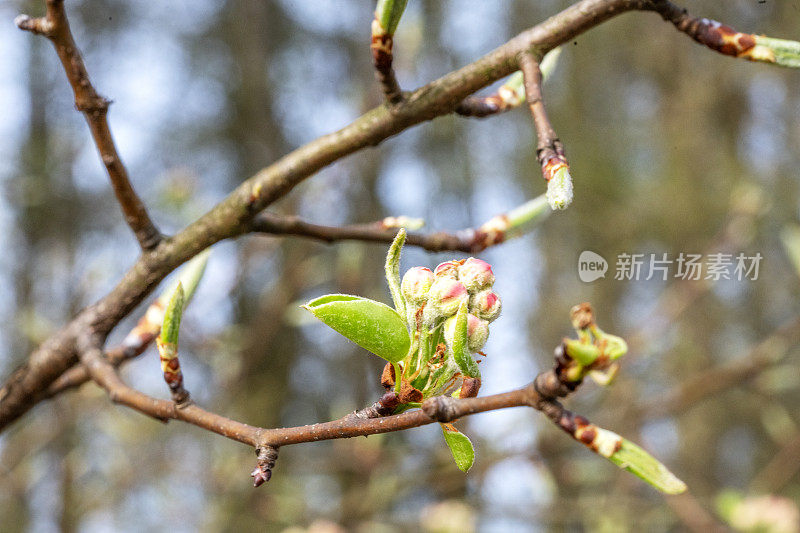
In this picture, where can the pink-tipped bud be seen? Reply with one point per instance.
(445, 297)
(448, 269)
(477, 332)
(416, 284)
(476, 275)
(486, 305)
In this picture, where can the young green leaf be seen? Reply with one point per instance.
(388, 13)
(460, 347)
(584, 354)
(372, 325)
(172, 317)
(393, 271)
(779, 51)
(460, 446)
(638, 462)
(189, 276)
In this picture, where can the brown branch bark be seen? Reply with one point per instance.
(470, 240)
(94, 107)
(382, 57)
(710, 33)
(549, 149)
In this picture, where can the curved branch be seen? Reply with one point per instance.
(496, 230)
(94, 107)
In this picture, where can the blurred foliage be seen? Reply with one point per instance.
(673, 149)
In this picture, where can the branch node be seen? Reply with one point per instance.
(440, 408)
(38, 26)
(267, 455)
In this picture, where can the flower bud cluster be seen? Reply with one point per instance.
(440, 293)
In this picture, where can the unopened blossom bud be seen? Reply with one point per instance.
(476, 275)
(416, 283)
(486, 305)
(445, 297)
(448, 269)
(477, 332)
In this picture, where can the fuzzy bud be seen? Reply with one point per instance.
(476, 275)
(486, 305)
(416, 283)
(477, 332)
(559, 188)
(448, 269)
(445, 297)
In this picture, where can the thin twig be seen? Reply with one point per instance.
(105, 375)
(509, 96)
(381, 45)
(471, 240)
(549, 149)
(94, 107)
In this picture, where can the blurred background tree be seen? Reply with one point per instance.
(673, 149)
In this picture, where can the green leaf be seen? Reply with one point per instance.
(584, 354)
(172, 317)
(638, 462)
(460, 348)
(460, 446)
(388, 13)
(786, 53)
(372, 325)
(189, 276)
(392, 268)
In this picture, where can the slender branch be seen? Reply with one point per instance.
(387, 16)
(94, 107)
(471, 240)
(104, 374)
(509, 96)
(728, 41)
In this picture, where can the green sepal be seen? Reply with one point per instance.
(584, 354)
(641, 464)
(172, 316)
(460, 446)
(392, 269)
(374, 326)
(461, 354)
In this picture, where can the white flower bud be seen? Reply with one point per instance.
(445, 297)
(486, 305)
(416, 283)
(476, 275)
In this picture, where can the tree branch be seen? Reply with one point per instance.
(549, 149)
(471, 240)
(94, 107)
